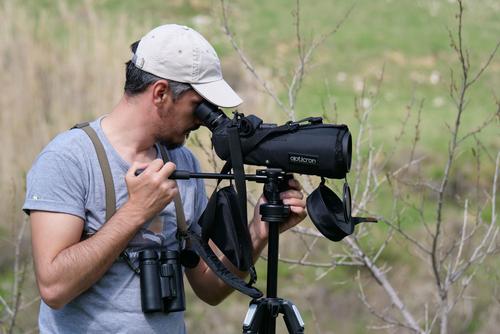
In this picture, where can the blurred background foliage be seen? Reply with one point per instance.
(62, 62)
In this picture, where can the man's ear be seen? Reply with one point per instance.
(160, 92)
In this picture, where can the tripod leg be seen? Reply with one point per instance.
(255, 317)
(293, 320)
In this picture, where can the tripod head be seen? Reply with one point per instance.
(275, 182)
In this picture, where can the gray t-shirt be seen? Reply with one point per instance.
(66, 177)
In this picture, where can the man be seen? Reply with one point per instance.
(84, 285)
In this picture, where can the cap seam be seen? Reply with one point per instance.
(195, 73)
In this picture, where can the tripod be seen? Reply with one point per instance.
(262, 313)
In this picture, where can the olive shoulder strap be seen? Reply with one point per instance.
(179, 211)
(109, 185)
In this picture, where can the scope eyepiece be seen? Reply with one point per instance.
(210, 115)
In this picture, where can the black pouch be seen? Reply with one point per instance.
(221, 223)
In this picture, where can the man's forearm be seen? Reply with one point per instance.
(259, 240)
(208, 286)
(79, 266)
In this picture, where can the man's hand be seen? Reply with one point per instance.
(151, 191)
(293, 197)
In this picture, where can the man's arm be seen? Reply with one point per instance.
(66, 266)
(207, 285)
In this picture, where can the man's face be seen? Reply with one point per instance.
(178, 119)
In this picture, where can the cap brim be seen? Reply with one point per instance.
(218, 93)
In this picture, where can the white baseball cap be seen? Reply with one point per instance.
(181, 54)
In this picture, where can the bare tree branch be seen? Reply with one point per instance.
(304, 59)
(380, 277)
(385, 318)
(246, 61)
(487, 122)
(19, 276)
(485, 66)
(436, 265)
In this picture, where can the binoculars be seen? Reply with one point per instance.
(162, 285)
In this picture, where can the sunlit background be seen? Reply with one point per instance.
(387, 71)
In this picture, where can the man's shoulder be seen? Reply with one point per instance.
(73, 144)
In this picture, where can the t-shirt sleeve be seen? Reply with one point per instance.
(55, 183)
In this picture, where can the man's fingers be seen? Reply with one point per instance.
(294, 184)
(135, 166)
(300, 210)
(294, 202)
(291, 194)
(147, 168)
(167, 169)
(155, 166)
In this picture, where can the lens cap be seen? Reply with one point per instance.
(332, 216)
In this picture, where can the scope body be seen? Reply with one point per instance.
(305, 147)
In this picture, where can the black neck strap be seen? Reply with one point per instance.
(239, 178)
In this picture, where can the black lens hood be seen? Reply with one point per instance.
(327, 213)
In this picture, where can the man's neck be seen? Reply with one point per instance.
(128, 129)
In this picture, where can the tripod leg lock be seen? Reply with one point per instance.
(260, 310)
